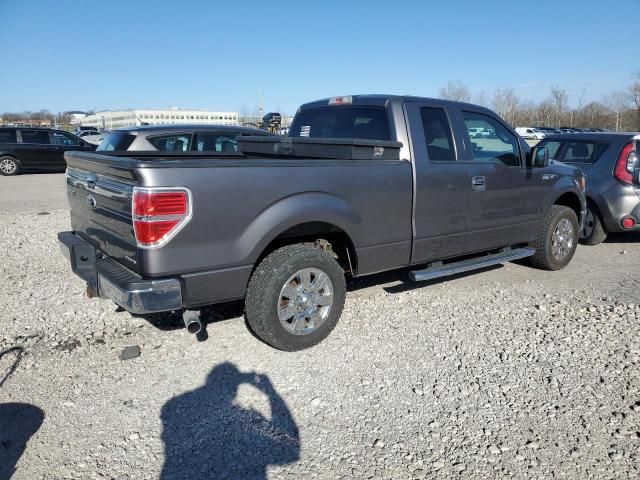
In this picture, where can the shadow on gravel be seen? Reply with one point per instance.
(632, 237)
(210, 314)
(207, 434)
(18, 422)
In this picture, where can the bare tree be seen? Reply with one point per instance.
(595, 114)
(480, 98)
(457, 91)
(505, 102)
(634, 96)
(560, 99)
(618, 103)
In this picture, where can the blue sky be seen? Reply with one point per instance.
(73, 54)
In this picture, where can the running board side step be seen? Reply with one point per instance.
(438, 269)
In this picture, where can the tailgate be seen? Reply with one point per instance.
(99, 189)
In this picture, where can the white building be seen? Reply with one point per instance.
(111, 119)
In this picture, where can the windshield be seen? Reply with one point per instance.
(342, 122)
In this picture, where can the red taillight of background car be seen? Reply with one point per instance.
(623, 171)
(158, 214)
(628, 223)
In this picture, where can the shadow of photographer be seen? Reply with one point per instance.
(18, 422)
(207, 434)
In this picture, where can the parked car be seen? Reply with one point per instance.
(28, 148)
(95, 138)
(363, 184)
(610, 162)
(548, 130)
(176, 138)
(82, 131)
(529, 132)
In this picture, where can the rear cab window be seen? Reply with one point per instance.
(437, 134)
(116, 141)
(342, 121)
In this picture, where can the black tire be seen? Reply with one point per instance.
(593, 224)
(266, 283)
(544, 257)
(9, 166)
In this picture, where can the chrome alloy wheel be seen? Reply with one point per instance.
(305, 301)
(8, 166)
(589, 223)
(562, 239)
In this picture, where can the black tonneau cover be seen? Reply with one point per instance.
(332, 148)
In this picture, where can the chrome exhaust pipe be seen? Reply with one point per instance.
(192, 321)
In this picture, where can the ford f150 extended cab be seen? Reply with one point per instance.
(364, 184)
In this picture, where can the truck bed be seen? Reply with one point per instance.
(240, 205)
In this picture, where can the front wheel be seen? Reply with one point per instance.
(558, 239)
(9, 166)
(295, 297)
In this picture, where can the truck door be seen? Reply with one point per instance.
(441, 190)
(504, 195)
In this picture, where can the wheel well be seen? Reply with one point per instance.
(339, 242)
(593, 206)
(572, 201)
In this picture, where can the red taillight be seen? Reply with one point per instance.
(146, 203)
(628, 223)
(623, 171)
(158, 214)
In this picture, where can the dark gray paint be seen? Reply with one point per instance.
(395, 213)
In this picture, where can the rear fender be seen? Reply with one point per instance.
(295, 210)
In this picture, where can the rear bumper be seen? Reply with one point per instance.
(619, 202)
(108, 279)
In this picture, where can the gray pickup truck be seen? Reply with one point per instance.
(363, 184)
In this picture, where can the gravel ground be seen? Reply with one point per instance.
(510, 372)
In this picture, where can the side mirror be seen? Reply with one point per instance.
(539, 157)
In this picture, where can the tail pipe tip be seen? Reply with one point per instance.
(192, 321)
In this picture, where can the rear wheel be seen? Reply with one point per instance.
(593, 231)
(9, 166)
(295, 297)
(558, 239)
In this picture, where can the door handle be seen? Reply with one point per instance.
(478, 184)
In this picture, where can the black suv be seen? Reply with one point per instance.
(27, 148)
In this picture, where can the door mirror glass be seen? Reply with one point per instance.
(539, 157)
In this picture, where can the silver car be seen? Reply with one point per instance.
(611, 164)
